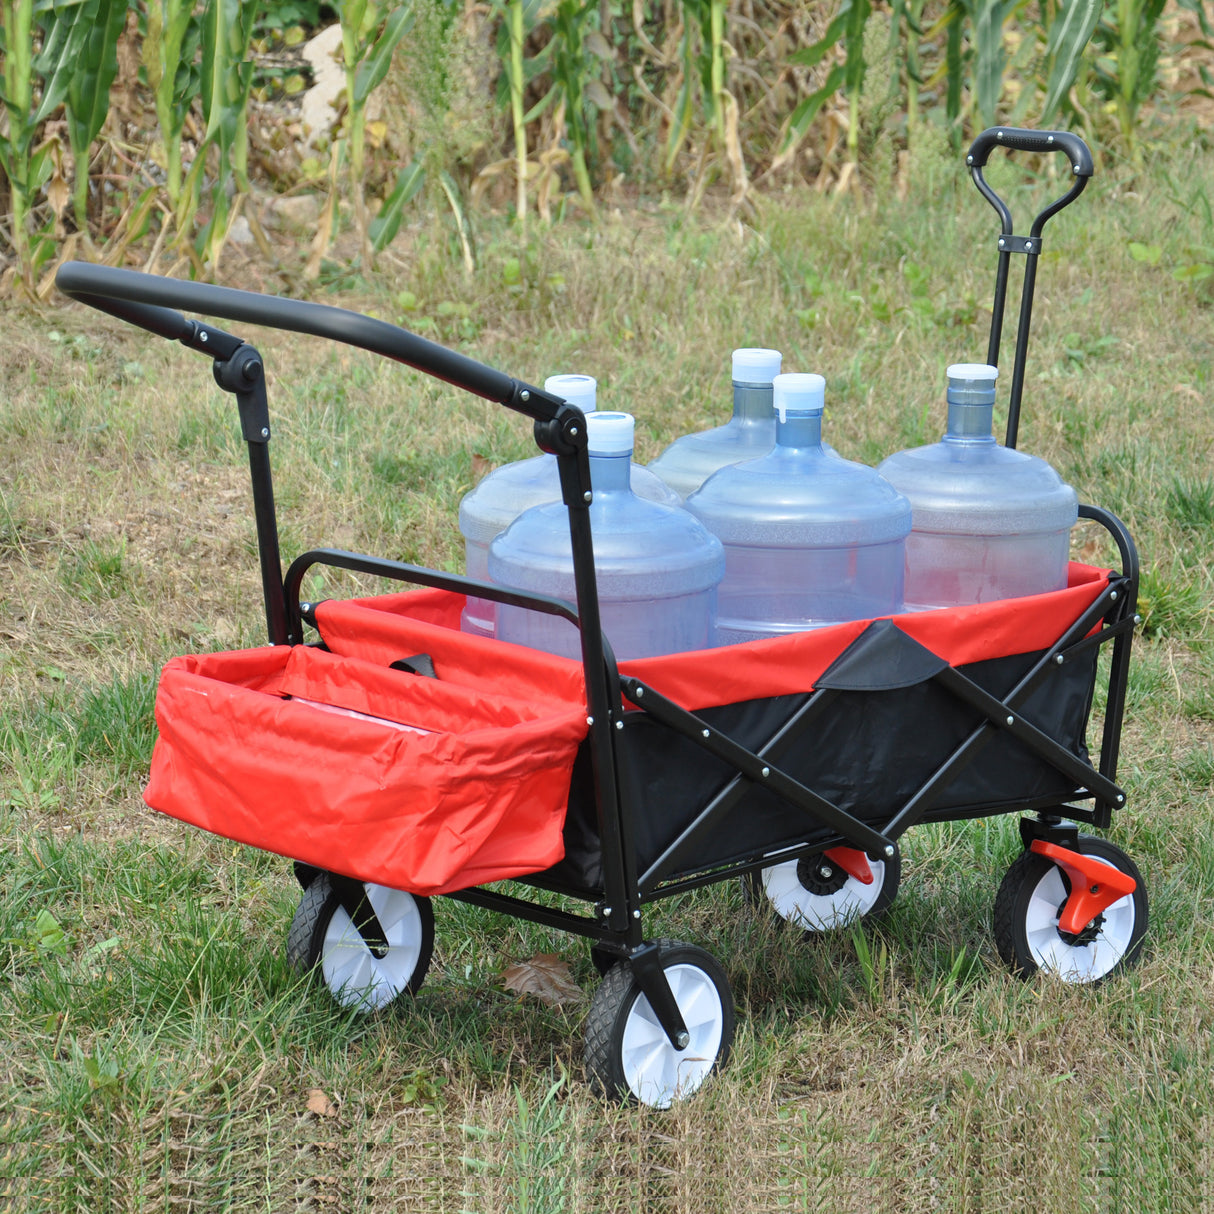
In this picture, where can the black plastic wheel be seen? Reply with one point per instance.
(1030, 900)
(323, 938)
(816, 895)
(628, 1055)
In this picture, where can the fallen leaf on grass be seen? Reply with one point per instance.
(320, 1104)
(546, 976)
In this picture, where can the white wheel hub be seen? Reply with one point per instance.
(656, 1073)
(820, 912)
(356, 977)
(1076, 963)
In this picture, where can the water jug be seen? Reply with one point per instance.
(507, 491)
(989, 522)
(657, 568)
(810, 538)
(689, 461)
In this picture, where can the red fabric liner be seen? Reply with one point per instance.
(480, 797)
(388, 627)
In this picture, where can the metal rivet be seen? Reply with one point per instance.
(619, 725)
(572, 430)
(1028, 246)
(682, 1040)
(587, 496)
(636, 914)
(640, 692)
(590, 720)
(889, 851)
(1120, 799)
(704, 733)
(1058, 659)
(1113, 596)
(202, 336)
(1011, 720)
(524, 395)
(1049, 139)
(265, 432)
(1076, 168)
(765, 772)
(1002, 242)
(1138, 619)
(969, 160)
(606, 912)
(827, 872)
(305, 606)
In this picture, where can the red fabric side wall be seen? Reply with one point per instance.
(375, 628)
(393, 626)
(480, 797)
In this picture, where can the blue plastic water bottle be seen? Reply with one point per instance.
(689, 461)
(810, 539)
(507, 491)
(989, 522)
(657, 567)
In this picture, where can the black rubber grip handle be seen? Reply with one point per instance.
(1020, 140)
(150, 301)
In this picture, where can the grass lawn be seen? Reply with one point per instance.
(157, 1052)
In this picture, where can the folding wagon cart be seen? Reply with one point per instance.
(396, 758)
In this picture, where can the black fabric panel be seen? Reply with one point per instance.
(869, 752)
(882, 658)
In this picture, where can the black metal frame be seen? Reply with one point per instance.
(616, 925)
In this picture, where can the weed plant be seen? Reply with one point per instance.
(155, 1050)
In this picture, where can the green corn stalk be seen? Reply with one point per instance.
(572, 69)
(702, 51)
(846, 27)
(170, 47)
(227, 77)
(370, 34)
(62, 29)
(515, 25)
(1070, 26)
(1126, 70)
(88, 94)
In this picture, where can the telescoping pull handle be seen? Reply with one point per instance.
(1017, 139)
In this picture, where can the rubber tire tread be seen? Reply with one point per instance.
(309, 923)
(1029, 868)
(612, 1000)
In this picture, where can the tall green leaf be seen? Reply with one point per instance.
(1070, 32)
(88, 94)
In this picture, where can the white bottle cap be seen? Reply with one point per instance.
(798, 394)
(610, 433)
(576, 389)
(973, 372)
(756, 366)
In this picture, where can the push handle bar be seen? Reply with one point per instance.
(150, 301)
(1021, 140)
(1016, 139)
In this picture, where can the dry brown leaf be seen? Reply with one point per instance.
(546, 976)
(481, 466)
(320, 1104)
